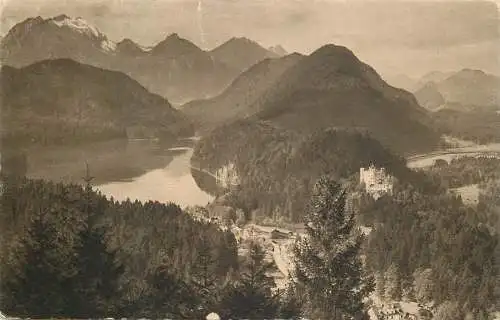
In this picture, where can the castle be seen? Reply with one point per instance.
(377, 182)
(227, 176)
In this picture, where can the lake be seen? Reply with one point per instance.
(151, 170)
(142, 169)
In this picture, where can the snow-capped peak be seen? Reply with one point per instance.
(108, 45)
(77, 24)
(81, 26)
(279, 50)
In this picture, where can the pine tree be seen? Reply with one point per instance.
(204, 279)
(251, 297)
(96, 283)
(172, 296)
(165, 295)
(40, 273)
(327, 264)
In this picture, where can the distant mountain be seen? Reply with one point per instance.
(175, 68)
(333, 88)
(434, 76)
(241, 53)
(464, 90)
(174, 46)
(179, 70)
(58, 101)
(429, 96)
(279, 50)
(128, 47)
(471, 87)
(37, 39)
(235, 101)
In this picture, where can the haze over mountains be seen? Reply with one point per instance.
(463, 90)
(174, 68)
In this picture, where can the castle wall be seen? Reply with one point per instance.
(377, 182)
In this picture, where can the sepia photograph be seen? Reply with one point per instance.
(250, 159)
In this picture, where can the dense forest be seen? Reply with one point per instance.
(465, 171)
(434, 249)
(154, 260)
(480, 125)
(278, 168)
(67, 251)
(65, 238)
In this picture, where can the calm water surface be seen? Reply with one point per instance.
(142, 170)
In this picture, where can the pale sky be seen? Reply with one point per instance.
(409, 37)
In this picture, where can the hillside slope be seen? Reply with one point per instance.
(241, 94)
(333, 88)
(277, 168)
(465, 90)
(429, 96)
(62, 100)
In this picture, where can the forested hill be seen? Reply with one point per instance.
(63, 101)
(235, 101)
(332, 87)
(277, 168)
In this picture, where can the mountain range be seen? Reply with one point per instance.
(58, 101)
(240, 79)
(241, 53)
(413, 84)
(329, 88)
(464, 90)
(174, 68)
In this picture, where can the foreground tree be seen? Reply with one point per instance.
(35, 283)
(328, 269)
(166, 296)
(251, 296)
(95, 286)
(204, 279)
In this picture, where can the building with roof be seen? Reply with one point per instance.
(377, 181)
